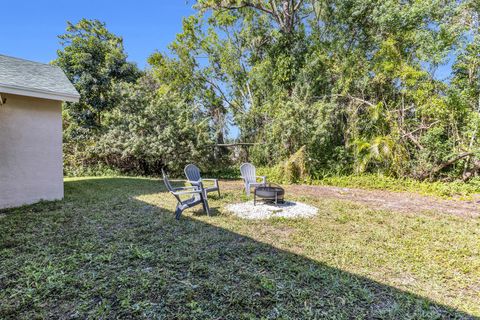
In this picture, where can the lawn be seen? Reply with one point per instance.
(112, 249)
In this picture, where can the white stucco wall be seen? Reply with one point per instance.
(31, 167)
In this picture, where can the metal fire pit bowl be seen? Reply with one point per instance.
(270, 193)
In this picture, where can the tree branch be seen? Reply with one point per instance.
(224, 97)
(445, 164)
(244, 5)
(412, 139)
(227, 145)
(349, 97)
(421, 128)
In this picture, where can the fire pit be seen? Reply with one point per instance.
(270, 193)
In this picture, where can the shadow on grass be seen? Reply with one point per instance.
(101, 253)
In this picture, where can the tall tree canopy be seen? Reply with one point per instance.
(354, 81)
(129, 120)
(93, 59)
(354, 84)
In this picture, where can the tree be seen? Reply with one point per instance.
(149, 130)
(201, 86)
(283, 64)
(93, 59)
(350, 83)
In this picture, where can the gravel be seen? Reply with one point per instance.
(289, 209)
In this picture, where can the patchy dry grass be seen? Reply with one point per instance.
(112, 249)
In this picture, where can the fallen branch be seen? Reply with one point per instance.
(468, 174)
(445, 164)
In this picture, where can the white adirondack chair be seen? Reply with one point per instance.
(250, 177)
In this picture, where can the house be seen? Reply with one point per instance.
(31, 96)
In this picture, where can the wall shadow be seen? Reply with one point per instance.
(111, 255)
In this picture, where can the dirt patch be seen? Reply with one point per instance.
(276, 233)
(379, 199)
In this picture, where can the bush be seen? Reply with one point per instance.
(146, 132)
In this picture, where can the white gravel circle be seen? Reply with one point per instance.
(289, 209)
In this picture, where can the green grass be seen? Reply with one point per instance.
(380, 182)
(456, 189)
(112, 249)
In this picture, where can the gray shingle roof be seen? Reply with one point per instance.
(24, 77)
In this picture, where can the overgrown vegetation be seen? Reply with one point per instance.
(457, 190)
(453, 190)
(112, 249)
(359, 84)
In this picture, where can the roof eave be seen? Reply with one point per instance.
(36, 93)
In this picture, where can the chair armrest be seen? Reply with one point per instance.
(183, 188)
(193, 182)
(196, 184)
(264, 178)
(215, 181)
(187, 192)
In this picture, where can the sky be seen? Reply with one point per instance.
(29, 29)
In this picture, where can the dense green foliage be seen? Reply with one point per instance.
(147, 131)
(112, 249)
(131, 121)
(356, 83)
(93, 60)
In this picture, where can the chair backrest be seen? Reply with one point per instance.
(192, 172)
(169, 187)
(166, 182)
(248, 172)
